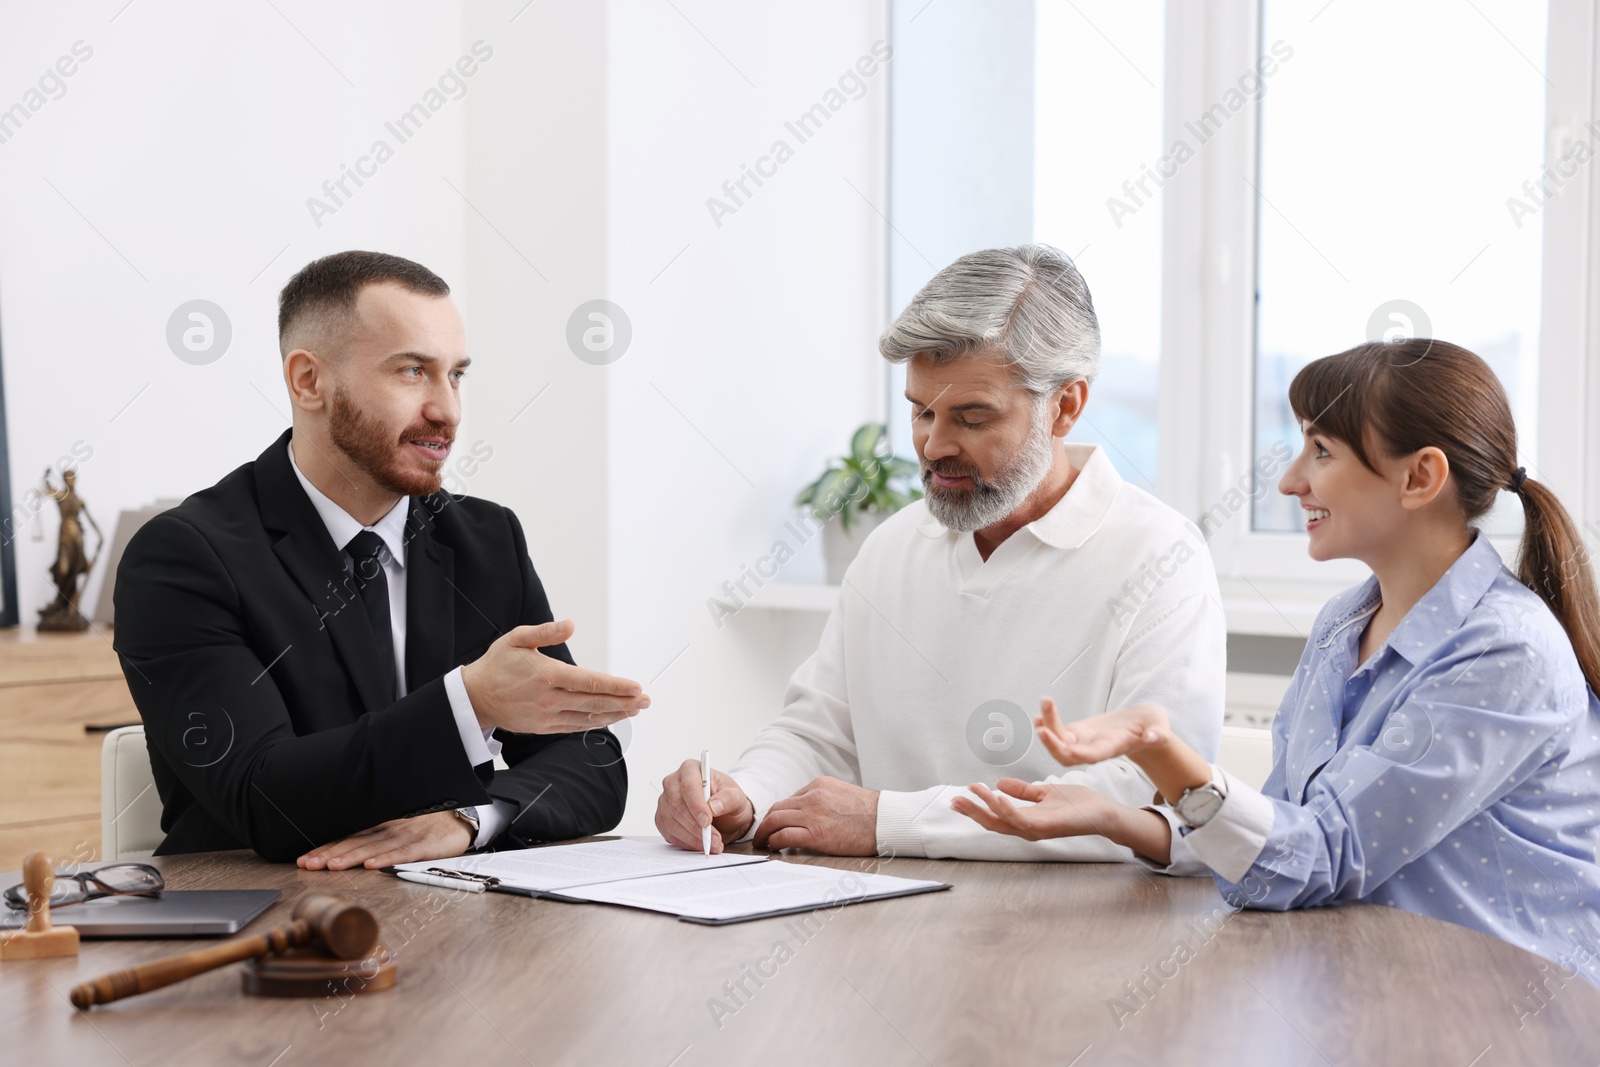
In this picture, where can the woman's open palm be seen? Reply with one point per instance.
(1100, 737)
(1051, 811)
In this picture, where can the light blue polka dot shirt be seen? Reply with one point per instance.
(1455, 774)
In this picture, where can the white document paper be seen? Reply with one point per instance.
(589, 863)
(745, 892)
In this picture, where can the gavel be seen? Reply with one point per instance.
(319, 919)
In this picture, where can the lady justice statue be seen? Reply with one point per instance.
(71, 563)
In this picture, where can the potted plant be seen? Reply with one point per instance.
(862, 489)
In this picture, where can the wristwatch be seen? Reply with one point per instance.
(1199, 803)
(470, 817)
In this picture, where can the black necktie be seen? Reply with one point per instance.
(363, 549)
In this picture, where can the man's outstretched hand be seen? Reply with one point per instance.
(515, 687)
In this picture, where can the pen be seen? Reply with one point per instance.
(443, 883)
(705, 777)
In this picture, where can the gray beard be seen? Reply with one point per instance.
(986, 503)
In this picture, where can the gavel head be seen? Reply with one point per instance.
(344, 929)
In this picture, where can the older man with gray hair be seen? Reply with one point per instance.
(1030, 572)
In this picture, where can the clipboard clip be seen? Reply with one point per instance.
(485, 880)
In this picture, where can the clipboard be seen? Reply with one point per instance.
(723, 890)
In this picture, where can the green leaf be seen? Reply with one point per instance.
(902, 468)
(832, 489)
(864, 443)
(808, 495)
(870, 473)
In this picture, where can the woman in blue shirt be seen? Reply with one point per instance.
(1438, 748)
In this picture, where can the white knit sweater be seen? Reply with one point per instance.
(935, 658)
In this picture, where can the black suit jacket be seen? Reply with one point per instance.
(269, 720)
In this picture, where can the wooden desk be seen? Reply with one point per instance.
(1018, 964)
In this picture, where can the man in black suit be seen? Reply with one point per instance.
(328, 651)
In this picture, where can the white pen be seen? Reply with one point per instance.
(705, 776)
(442, 883)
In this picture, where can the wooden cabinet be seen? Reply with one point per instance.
(51, 687)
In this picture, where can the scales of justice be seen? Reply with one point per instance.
(72, 564)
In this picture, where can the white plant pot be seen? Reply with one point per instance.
(839, 548)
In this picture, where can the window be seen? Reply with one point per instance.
(1379, 182)
(1428, 167)
(1385, 170)
(1097, 197)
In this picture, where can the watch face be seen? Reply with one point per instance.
(1197, 807)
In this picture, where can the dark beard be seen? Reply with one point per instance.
(374, 449)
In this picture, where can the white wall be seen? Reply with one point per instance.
(754, 353)
(189, 142)
(535, 172)
(581, 159)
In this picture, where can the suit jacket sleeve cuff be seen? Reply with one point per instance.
(472, 734)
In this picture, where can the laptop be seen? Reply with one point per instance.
(175, 913)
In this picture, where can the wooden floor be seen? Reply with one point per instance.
(1064, 964)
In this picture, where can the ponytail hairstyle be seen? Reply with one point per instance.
(1403, 396)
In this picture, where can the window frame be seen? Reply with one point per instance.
(1208, 339)
(10, 602)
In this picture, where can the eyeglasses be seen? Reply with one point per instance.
(118, 879)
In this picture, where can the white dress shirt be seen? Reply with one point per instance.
(480, 744)
(931, 665)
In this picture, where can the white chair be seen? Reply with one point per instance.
(130, 808)
(1246, 751)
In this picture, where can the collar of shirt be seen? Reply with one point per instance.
(1440, 612)
(1079, 512)
(342, 526)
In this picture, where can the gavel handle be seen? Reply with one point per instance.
(149, 976)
